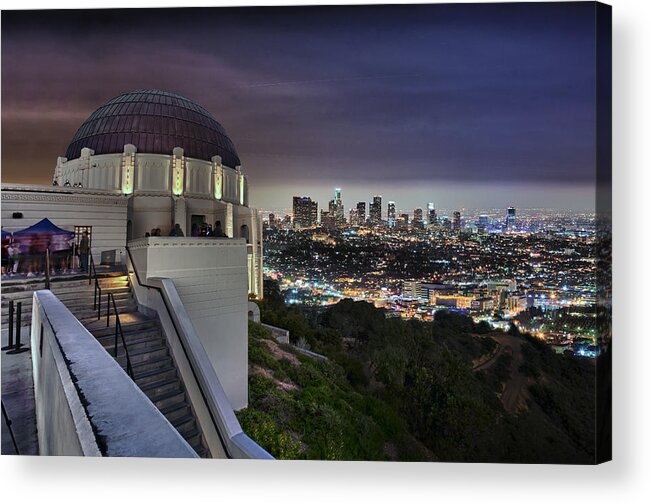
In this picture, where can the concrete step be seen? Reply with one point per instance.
(90, 316)
(157, 375)
(142, 356)
(185, 424)
(168, 399)
(201, 451)
(78, 296)
(161, 386)
(193, 437)
(131, 323)
(84, 311)
(176, 411)
(150, 365)
(136, 342)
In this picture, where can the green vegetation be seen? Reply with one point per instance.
(406, 390)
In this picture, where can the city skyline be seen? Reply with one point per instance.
(496, 101)
(416, 198)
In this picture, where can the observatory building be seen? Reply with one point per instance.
(153, 187)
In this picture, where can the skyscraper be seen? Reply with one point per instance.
(272, 220)
(483, 221)
(431, 213)
(510, 219)
(375, 210)
(361, 213)
(456, 221)
(305, 212)
(391, 214)
(336, 208)
(352, 217)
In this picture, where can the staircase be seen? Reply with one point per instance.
(153, 367)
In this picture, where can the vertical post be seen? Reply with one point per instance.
(10, 343)
(108, 308)
(47, 268)
(19, 319)
(18, 347)
(116, 339)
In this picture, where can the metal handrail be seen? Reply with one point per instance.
(97, 299)
(11, 430)
(110, 299)
(187, 356)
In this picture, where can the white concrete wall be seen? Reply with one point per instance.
(68, 207)
(152, 173)
(76, 412)
(211, 278)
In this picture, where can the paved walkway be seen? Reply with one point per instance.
(18, 398)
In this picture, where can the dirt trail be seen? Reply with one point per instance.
(514, 386)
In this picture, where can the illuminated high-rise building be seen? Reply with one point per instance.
(305, 212)
(336, 208)
(391, 214)
(272, 220)
(418, 215)
(510, 219)
(375, 210)
(352, 217)
(456, 221)
(361, 213)
(483, 222)
(431, 213)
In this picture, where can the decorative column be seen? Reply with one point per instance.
(217, 177)
(128, 169)
(58, 171)
(229, 220)
(240, 185)
(178, 171)
(83, 167)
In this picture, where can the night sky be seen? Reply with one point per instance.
(485, 105)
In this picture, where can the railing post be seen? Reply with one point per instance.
(47, 268)
(99, 303)
(116, 338)
(17, 348)
(108, 308)
(10, 344)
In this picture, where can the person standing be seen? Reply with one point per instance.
(177, 231)
(14, 258)
(84, 249)
(219, 232)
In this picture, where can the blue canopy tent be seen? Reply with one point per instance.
(44, 235)
(6, 235)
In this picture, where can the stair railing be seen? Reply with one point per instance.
(110, 301)
(97, 291)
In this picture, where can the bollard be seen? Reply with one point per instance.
(11, 327)
(19, 346)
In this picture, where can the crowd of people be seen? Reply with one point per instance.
(28, 257)
(203, 230)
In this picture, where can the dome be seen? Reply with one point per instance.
(155, 122)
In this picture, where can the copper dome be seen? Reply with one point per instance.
(155, 122)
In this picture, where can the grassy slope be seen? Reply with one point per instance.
(406, 391)
(301, 408)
